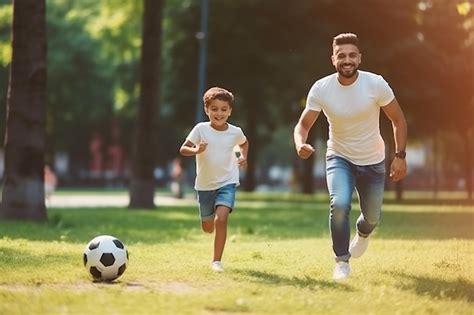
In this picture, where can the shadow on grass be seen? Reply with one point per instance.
(429, 202)
(260, 223)
(410, 198)
(82, 224)
(21, 258)
(305, 282)
(427, 225)
(287, 223)
(459, 289)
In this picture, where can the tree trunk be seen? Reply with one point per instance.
(387, 133)
(23, 183)
(435, 164)
(307, 184)
(468, 171)
(249, 183)
(399, 190)
(142, 186)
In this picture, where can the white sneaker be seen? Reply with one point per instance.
(358, 246)
(342, 271)
(217, 266)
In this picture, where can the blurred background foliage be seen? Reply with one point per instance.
(268, 53)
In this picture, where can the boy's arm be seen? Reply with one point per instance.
(244, 149)
(190, 149)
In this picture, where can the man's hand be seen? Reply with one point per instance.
(398, 169)
(304, 151)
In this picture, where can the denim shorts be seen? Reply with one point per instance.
(209, 200)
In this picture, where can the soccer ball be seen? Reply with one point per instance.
(105, 258)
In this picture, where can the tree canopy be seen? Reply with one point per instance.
(267, 53)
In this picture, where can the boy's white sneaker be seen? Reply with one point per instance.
(217, 266)
(358, 245)
(342, 271)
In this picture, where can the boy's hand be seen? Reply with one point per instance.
(304, 151)
(201, 147)
(242, 162)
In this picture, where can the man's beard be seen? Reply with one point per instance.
(347, 75)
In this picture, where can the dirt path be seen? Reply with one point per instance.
(85, 200)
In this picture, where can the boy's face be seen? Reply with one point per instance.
(218, 112)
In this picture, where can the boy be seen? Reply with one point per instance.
(217, 174)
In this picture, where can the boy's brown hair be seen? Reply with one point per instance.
(217, 93)
(346, 38)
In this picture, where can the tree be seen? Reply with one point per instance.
(142, 186)
(443, 105)
(455, 79)
(23, 184)
(81, 106)
(6, 12)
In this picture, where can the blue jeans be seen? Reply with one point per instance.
(368, 180)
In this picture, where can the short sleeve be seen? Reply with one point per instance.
(194, 136)
(313, 100)
(384, 92)
(241, 138)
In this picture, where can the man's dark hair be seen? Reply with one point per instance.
(346, 38)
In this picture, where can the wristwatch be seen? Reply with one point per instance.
(400, 154)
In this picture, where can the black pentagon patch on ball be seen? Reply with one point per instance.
(84, 259)
(107, 259)
(118, 243)
(94, 245)
(95, 273)
(121, 269)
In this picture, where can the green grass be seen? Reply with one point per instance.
(278, 260)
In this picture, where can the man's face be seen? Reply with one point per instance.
(346, 59)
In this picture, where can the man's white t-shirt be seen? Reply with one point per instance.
(217, 165)
(353, 113)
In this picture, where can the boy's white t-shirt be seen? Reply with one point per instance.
(353, 113)
(217, 165)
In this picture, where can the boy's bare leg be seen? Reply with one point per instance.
(222, 213)
(208, 226)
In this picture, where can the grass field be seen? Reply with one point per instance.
(278, 260)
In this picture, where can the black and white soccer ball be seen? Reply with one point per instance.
(105, 258)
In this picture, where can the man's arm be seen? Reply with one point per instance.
(398, 169)
(300, 133)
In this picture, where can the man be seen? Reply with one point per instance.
(351, 100)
